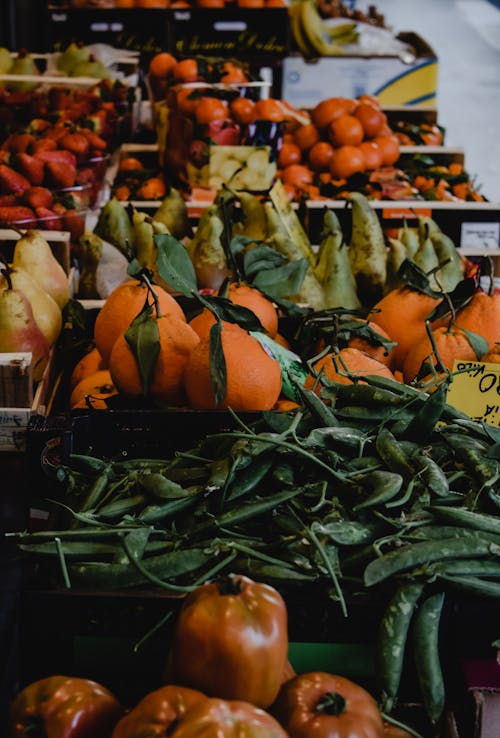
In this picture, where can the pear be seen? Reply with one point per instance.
(19, 331)
(173, 214)
(45, 309)
(23, 64)
(90, 67)
(114, 226)
(367, 252)
(90, 255)
(254, 223)
(33, 254)
(334, 267)
(74, 54)
(426, 258)
(451, 270)
(207, 252)
(6, 60)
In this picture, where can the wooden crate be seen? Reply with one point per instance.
(58, 241)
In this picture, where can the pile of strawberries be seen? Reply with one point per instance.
(59, 140)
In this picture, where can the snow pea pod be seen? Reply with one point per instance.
(392, 454)
(366, 394)
(318, 409)
(247, 479)
(391, 640)
(424, 421)
(468, 519)
(120, 507)
(417, 554)
(155, 513)
(433, 476)
(426, 654)
(468, 567)
(373, 413)
(473, 585)
(160, 486)
(347, 532)
(384, 485)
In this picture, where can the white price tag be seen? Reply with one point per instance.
(480, 236)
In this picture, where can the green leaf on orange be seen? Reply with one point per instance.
(174, 265)
(218, 373)
(143, 337)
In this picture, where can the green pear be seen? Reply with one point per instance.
(33, 254)
(47, 314)
(74, 54)
(173, 214)
(334, 267)
(254, 223)
(114, 226)
(19, 331)
(367, 252)
(90, 67)
(207, 251)
(6, 60)
(24, 64)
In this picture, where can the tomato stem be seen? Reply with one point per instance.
(331, 703)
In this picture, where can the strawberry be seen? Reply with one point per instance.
(43, 144)
(38, 125)
(20, 142)
(74, 222)
(11, 182)
(56, 132)
(77, 144)
(11, 214)
(60, 157)
(48, 220)
(37, 197)
(4, 156)
(59, 174)
(95, 141)
(8, 200)
(31, 167)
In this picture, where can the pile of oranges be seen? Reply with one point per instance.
(343, 137)
(180, 373)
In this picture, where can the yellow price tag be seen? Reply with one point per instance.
(475, 390)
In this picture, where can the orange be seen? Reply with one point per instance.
(297, 175)
(162, 64)
(121, 307)
(371, 154)
(210, 3)
(389, 146)
(346, 130)
(451, 343)
(276, 4)
(492, 356)
(186, 70)
(211, 108)
(242, 110)
(88, 364)
(268, 109)
(282, 341)
(247, 296)
(233, 73)
(481, 315)
(320, 156)
(99, 385)
(151, 3)
(177, 341)
(253, 377)
(186, 103)
(306, 136)
(327, 110)
(346, 161)
(289, 154)
(335, 366)
(370, 100)
(371, 119)
(285, 406)
(152, 189)
(130, 164)
(376, 351)
(250, 3)
(122, 192)
(402, 314)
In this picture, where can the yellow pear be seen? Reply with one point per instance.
(19, 331)
(47, 314)
(33, 254)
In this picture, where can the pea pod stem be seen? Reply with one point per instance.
(62, 561)
(290, 446)
(245, 428)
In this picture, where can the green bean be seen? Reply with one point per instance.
(426, 655)
(318, 409)
(419, 429)
(384, 484)
(248, 478)
(155, 513)
(468, 567)
(473, 585)
(167, 566)
(391, 640)
(120, 507)
(467, 518)
(391, 453)
(433, 476)
(70, 548)
(160, 486)
(417, 554)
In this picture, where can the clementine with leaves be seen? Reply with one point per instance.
(346, 363)
(481, 315)
(176, 342)
(451, 343)
(253, 378)
(98, 385)
(246, 296)
(122, 306)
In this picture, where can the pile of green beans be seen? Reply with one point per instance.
(374, 486)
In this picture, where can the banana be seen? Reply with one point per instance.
(303, 44)
(315, 30)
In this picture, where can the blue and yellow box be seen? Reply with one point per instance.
(394, 80)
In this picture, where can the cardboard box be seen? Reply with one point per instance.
(389, 78)
(230, 32)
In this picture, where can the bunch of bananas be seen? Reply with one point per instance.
(313, 36)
